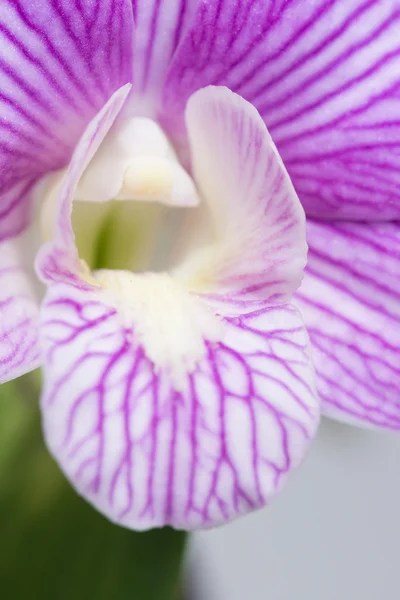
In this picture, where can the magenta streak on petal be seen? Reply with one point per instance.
(325, 76)
(59, 260)
(146, 454)
(126, 461)
(350, 300)
(160, 27)
(60, 63)
(19, 313)
(13, 222)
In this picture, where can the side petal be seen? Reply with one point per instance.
(260, 249)
(59, 64)
(350, 301)
(325, 76)
(19, 309)
(58, 260)
(146, 454)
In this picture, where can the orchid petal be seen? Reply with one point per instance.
(146, 454)
(160, 27)
(325, 76)
(19, 309)
(259, 223)
(59, 260)
(350, 300)
(60, 62)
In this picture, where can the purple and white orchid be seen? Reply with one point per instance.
(185, 395)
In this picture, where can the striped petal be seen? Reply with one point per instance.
(60, 61)
(19, 309)
(146, 443)
(324, 75)
(350, 300)
(258, 251)
(147, 454)
(160, 27)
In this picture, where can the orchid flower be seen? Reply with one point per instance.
(185, 395)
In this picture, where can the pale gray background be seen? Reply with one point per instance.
(334, 532)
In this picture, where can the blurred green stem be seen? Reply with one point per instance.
(53, 544)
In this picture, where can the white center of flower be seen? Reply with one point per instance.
(170, 323)
(136, 164)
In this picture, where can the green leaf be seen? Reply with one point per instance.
(53, 544)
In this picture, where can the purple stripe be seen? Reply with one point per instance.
(334, 93)
(350, 303)
(60, 65)
(34, 61)
(64, 13)
(313, 54)
(27, 116)
(325, 77)
(297, 36)
(51, 48)
(33, 94)
(150, 46)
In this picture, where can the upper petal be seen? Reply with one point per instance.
(19, 308)
(325, 77)
(59, 64)
(350, 300)
(160, 27)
